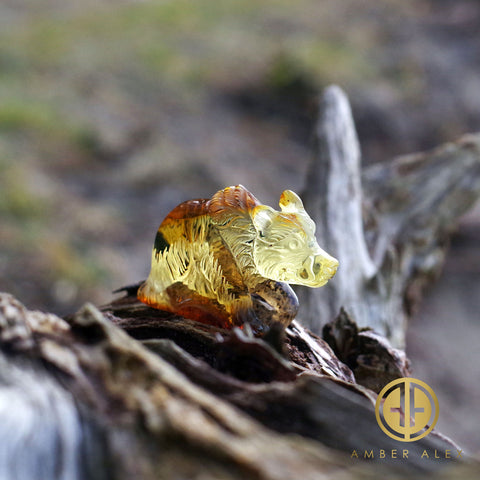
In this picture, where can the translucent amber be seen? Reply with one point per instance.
(229, 259)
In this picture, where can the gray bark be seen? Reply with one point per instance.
(390, 236)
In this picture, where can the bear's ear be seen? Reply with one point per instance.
(290, 202)
(262, 217)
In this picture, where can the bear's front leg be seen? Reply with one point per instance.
(274, 302)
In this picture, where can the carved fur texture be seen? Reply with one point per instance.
(228, 260)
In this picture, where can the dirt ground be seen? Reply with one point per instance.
(112, 113)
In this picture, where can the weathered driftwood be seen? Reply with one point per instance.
(83, 399)
(390, 236)
(132, 392)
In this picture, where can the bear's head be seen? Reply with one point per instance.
(285, 247)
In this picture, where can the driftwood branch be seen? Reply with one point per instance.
(83, 399)
(132, 392)
(391, 235)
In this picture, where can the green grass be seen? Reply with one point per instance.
(17, 201)
(18, 114)
(183, 41)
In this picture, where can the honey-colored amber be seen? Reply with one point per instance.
(229, 259)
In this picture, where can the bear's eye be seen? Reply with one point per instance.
(293, 244)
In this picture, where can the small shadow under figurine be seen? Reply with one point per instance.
(228, 260)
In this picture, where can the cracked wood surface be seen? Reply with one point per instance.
(121, 408)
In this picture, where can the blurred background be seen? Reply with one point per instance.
(113, 112)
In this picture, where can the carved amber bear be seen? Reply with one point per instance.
(228, 260)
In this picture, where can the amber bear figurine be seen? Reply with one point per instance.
(228, 260)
